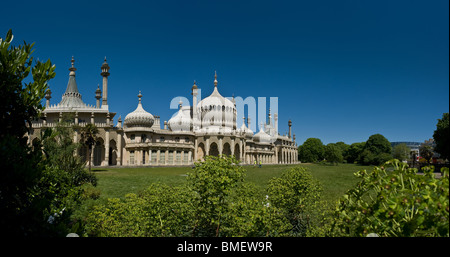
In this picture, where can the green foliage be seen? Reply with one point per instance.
(59, 149)
(353, 152)
(442, 137)
(312, 150)
(24, 202)
(377, 150)
(216, 201)
(160, 210)
(393, 200)
(401, 152)
(213, 181)
(88, 138)
(333, 154)
(297, 196)
(426, 152)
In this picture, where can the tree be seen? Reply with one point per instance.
(333, 154)
(426, 152)
(376, 151)
(88, 139)
(312, 150)
(442, 137)
(401, 152)
(213, 181)
(24, 201)
(353, 152)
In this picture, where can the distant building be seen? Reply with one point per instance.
(414, 146)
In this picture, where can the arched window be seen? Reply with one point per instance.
(143, 138)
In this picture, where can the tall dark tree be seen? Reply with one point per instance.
(442, 137)
(22, 204)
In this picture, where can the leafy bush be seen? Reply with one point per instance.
(393, 200)
(160, 210)
(297, 195)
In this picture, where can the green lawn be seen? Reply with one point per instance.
(116, 182)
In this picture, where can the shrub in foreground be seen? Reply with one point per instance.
(393, 200)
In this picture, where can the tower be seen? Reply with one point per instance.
(98, 95)
(194, 106)
(48, 96)
(290, 131)
(105, 74)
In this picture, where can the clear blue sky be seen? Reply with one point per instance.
(342, 70)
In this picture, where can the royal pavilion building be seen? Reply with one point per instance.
(208, 127)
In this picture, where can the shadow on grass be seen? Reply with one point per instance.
(98, 170)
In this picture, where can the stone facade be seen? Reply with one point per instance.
(207, 127)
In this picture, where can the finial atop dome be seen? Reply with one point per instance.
(139, 96)
(180, 103)
(72, 69)
(215, 78)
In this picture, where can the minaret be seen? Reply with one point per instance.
(194, 106)
(290, 131)
(98, 95)
(275, 118)
(48, 96)
(105, 74)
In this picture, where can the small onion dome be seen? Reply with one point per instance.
(139, 117)
(194, 86)
(262, 137)
(247, 131)
(181, 121)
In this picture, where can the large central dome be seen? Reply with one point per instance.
(217, 111)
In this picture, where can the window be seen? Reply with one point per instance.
(154, 153)
(143, 138)
(170, 161)
(177, 139)
(132, 138)
(186, 139)
(161, 139)
(178, 158)
(162, 157)
(132, 157)
(185, 157)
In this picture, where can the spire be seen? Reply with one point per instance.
(72, 98)
(215, 78)
(72, 69)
